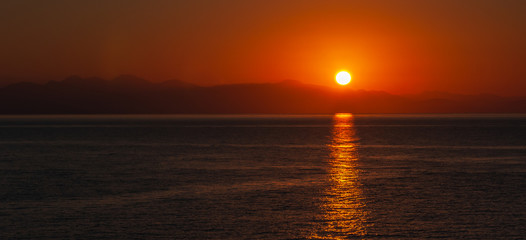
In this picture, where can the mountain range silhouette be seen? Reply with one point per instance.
(128, 94)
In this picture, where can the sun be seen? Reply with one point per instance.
(343, 78)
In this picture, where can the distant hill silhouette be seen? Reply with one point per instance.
(132, 95)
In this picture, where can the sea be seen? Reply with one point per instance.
(341, 176)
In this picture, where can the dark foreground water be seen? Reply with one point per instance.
(263, 177)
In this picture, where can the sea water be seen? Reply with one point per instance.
(337, 176)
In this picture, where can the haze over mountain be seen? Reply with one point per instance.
(132, 95)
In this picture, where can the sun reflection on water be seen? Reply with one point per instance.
(344, 213)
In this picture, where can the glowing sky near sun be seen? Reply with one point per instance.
(469, 46)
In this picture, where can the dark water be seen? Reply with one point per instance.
(263, 177)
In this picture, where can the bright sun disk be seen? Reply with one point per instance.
(343, 78)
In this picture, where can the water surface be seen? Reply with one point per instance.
(263, 177)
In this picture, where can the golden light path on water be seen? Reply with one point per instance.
(344, 213)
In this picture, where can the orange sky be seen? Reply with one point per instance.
(469, 46)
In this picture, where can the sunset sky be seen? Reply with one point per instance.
(468, 46)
